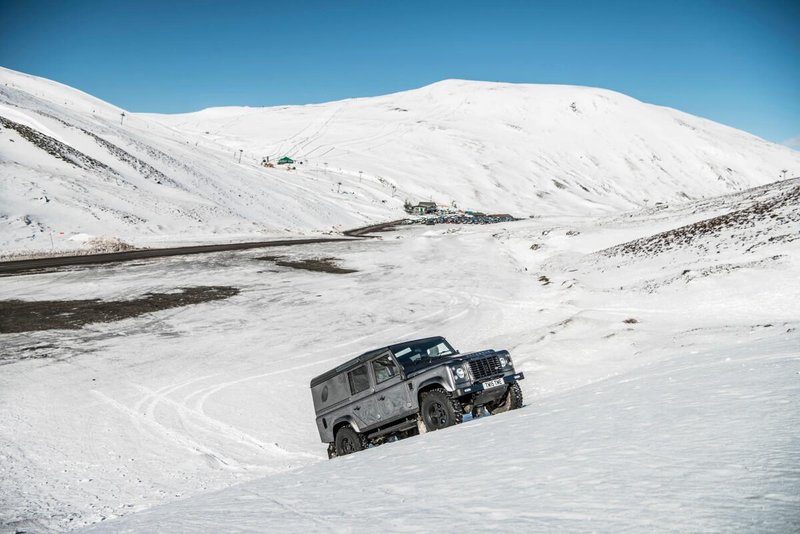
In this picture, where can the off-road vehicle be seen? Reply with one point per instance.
(403, 389)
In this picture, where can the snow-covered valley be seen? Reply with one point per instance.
(662, 389)
(652, 301)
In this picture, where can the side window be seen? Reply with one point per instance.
(384, 368)
(359, 380)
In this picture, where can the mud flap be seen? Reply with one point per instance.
(421, 425)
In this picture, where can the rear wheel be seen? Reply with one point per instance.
(511, 401)
(348, 441)
(438, 410)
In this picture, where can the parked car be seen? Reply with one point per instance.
(404, 389)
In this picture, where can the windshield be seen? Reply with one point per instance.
(417, 354)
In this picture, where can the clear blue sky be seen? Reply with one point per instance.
(734, 61)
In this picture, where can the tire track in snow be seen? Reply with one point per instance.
(217, 427)
(155, 398)
(173, 436)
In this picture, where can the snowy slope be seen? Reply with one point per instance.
(72, 167)
(661, 394)
(69, 168)
(642, 452)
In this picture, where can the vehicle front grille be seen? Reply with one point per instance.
(486, 367)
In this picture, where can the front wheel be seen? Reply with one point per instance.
(511, 401)
(438, 410)
(348, 441)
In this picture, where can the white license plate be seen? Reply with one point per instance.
(493, 383)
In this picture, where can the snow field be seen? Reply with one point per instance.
(649, 425)
(642, 451)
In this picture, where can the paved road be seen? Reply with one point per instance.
(18, 266)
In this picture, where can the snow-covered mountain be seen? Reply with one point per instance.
(531, 148)
(659, 344)
(73, 166)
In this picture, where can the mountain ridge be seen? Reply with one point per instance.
(525, 149)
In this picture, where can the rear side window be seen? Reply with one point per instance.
(359, 379)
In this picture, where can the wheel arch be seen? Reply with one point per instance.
(428, 385)
(342, 422)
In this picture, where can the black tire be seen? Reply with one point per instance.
(511, 401)
(348, 441)
(438, 410)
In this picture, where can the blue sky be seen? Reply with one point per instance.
(736, 62)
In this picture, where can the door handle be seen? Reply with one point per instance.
(357, 408)
(381, 398)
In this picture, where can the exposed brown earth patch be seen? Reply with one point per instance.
(320, 265)
(28, 316)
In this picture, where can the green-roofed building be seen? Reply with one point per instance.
(285, 160)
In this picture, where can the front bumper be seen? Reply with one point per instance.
(477, 387)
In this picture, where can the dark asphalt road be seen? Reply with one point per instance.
(21, 266)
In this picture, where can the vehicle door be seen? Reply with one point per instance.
(391, 393)
(363, 403)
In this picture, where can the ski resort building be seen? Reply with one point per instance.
(425, 207)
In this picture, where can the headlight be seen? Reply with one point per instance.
(504, 360)
(459, 371)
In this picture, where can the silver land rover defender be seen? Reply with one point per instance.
(408, 388)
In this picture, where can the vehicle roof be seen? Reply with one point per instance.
(346, 366)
